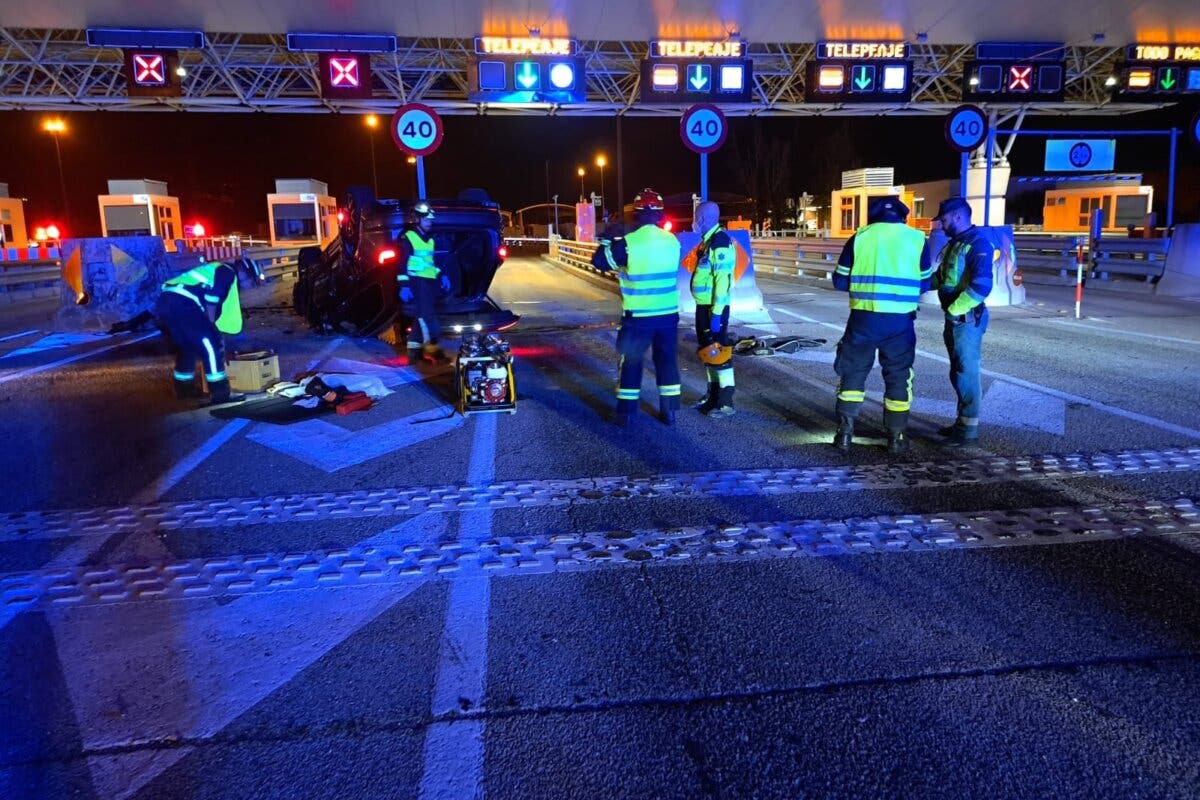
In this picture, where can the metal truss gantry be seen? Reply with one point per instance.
(55, 70)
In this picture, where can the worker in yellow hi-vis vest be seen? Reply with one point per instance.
(195, 309)
(712, 286)
(647, 265)
(419, 279)
(885, 266)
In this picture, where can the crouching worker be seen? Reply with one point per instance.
(195, 309)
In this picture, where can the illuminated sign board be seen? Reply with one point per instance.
(673, 48)
(531, 79)
(524, 46)
(688, 71)
(345, 75)
(1031, 71)
(862, 51)
(1163, 52)
(859, 72)
(1159, 70)
(151, 73)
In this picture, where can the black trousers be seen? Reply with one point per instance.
(661, 335)
(894, 338)
(194, 335)
(421, 310)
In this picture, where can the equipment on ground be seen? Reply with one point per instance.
(484, 376)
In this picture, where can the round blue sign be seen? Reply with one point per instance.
(703, 128)
(966, 128)
(1196, 129)
(1080, 155)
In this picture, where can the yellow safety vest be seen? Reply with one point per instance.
(712, 280)
(420, 263)
(649, 285)
(204, 277)
(886, 276)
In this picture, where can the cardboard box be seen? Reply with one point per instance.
(252, 374)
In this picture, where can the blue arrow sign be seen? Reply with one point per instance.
(699, 77)
(528, 74)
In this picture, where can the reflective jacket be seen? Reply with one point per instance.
(207, 288)
(886, 275)
(419, 263)
(964, 274)
(712, 281)
(649, 285)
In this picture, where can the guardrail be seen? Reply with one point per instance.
(578, 255)
(22, 281)
(1143, 258)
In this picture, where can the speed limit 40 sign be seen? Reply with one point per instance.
(966, 128)
(703, 128)
(416, 129)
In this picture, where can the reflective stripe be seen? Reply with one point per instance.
(212, 358)
(651, 291)
(883, 280)
(420, 263)
(651, 276)
(896, 405)
(725, 376)
(850, 395)
(182, 292)
(671, 390)
(628, 394)
(184, 376)
(215, 376)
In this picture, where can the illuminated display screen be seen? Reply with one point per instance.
(679, 71)
(345, 75)
(1031, 70)
(529, 79)
(1159, 69)
(859, 72)
(151, 73)
(524, 46)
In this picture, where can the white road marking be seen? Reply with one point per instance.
(1123, 332)
(62, 362)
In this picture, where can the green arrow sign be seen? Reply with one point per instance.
(863, 77)
(698, 77)
(1167, 80)
(527, 74)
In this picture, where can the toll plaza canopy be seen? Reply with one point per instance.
(474, 56)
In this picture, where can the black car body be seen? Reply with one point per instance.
(350, 286)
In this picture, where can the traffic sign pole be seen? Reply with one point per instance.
(1171, 181)
(704, 176)
(420, 177)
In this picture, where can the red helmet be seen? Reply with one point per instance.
(648, 200)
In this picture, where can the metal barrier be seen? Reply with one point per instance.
(279, 262)
(1143, 258)
(578, 255)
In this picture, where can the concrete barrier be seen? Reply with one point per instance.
(107, 280)
(1181, 272)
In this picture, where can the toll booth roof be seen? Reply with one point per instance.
(301, 186)
(139, 186)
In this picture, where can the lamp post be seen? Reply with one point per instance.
(601, 161)
(56, 127)
(372, 122)
(581, 172)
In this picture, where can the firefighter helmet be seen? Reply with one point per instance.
(419, 211)
(715, 355)
(648, 200)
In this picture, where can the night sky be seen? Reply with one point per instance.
(221, 166)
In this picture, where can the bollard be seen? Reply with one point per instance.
(1079, 261)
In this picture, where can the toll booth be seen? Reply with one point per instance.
(301, 213)
(848, 205)
(1122, 199)
(12, 220)
(141, 208)
(585, 222)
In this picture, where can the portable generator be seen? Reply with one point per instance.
(484, 375)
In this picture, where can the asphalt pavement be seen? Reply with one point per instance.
(406, 603)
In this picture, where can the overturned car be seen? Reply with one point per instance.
(350, 286)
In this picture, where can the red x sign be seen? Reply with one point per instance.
(343, 72)
(149, 70)
(1020, 79)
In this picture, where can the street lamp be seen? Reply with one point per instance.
(581, 172)
(57, 127)
(373, 123)
(601, 161)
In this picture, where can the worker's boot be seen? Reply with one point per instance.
(219, 393)
(710, 400)
(724, 403)
(960, 435)
(185, 388)
(845, 433)
(897, 441)
(667, 406)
